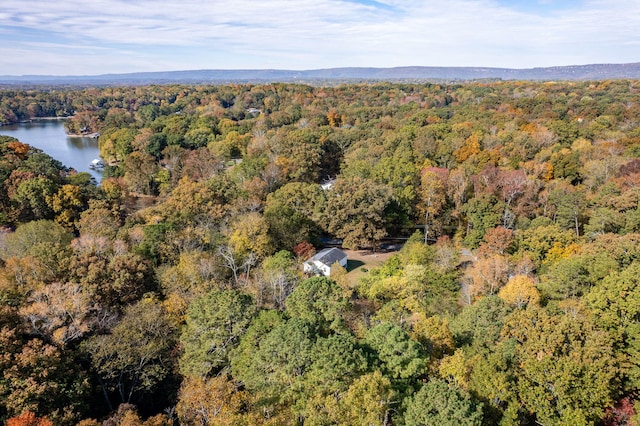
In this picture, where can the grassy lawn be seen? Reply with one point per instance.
(359, 262)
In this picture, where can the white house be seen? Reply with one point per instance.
(322, 261)
(327, 184)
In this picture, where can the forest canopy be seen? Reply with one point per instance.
(173, 292)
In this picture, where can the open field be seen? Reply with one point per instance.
(360, 261)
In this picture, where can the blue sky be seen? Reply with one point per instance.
(88, 37)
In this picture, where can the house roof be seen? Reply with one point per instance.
(327, 184)
(328, 256)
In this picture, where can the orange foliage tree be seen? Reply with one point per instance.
(27, 418)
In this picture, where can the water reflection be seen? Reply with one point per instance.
(82, 143)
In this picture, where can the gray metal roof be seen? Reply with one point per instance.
(328, 256)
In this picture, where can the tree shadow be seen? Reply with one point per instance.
(353, 264)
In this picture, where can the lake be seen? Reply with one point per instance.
(50, 137)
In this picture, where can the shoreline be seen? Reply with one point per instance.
(93, 135)
(35, 119)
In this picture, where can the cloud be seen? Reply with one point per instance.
(145, 35)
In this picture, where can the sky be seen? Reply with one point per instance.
(92, 37)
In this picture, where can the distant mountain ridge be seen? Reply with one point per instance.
(573, 72)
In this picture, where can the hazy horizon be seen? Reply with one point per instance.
(300, 70)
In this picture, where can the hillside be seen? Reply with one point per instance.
(415, 73)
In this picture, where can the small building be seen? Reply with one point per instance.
(321, 262)
(327, 184)
(96, 164)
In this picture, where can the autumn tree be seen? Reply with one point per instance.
(371, 399)
(498, 240)
(116, 143)
(298, 153)
(34, 198)
(67, 204)
(112, 279)
(60, 312)
(127, 415)
(29, 236)
(293, 213)
(214, 400)
(248, 234)
(357, 212)
(99, 220)
(40, 378)
(194, 274)
(567, 368)
(276, 279)
(433, 199)
(139, 173)
(615, 305)
(470, 147)
(434, 334)
(520, 291)
(538, 241)
(485, 277)
(136, 356)
(27, 418)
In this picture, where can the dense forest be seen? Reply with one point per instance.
(173, 292)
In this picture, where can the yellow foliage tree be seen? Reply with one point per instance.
(434, 334)
(214, 400)
(334, 118)
(471, 146)
(368, 401)
(339, 275)
(115, 189)
(559, 252)
(249, 234)
(67, 204)
(456, 369)
(520, 291)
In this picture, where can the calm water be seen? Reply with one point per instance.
(49, 136)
